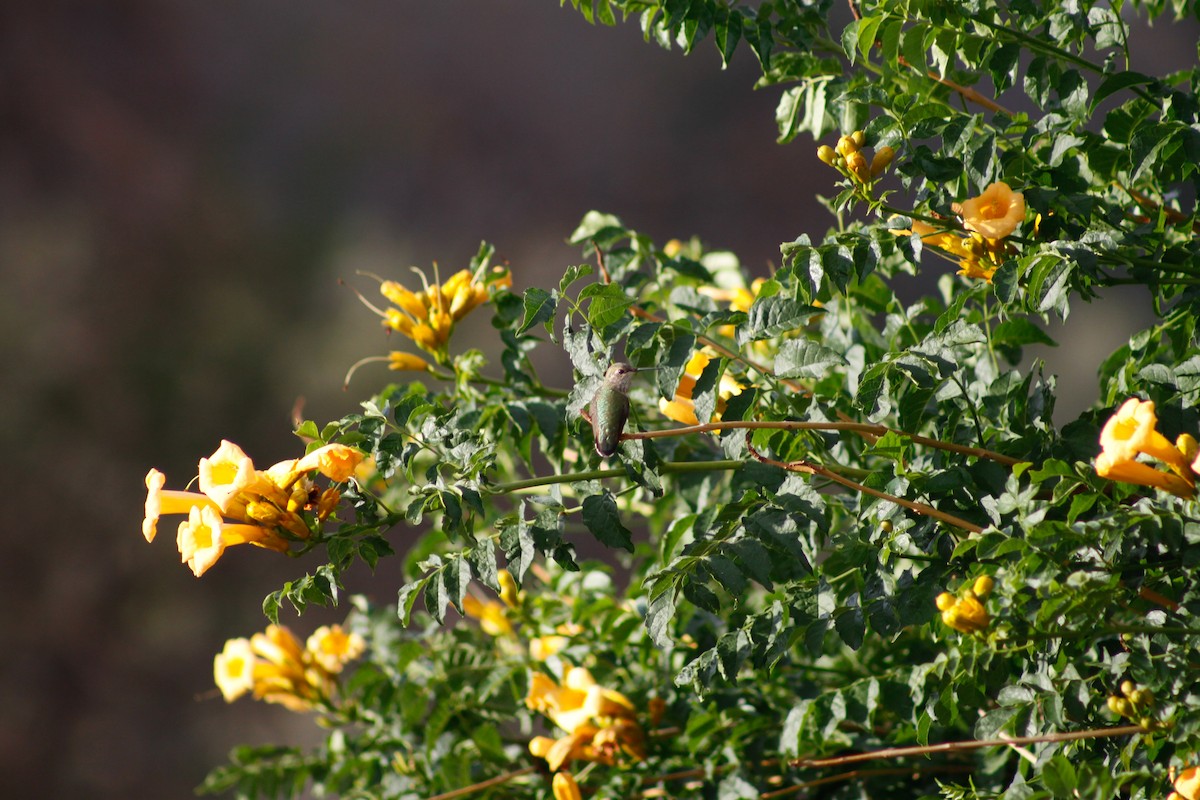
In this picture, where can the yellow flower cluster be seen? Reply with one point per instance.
(277, 668)
(847, 158)
(428, 316)
(966, 614)
(1186, 785)
(238, 504)
(1133, 703)
(600, 723)
(1132, 431)
(681, 408)
(989, 219)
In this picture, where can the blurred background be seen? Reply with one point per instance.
(183, 185)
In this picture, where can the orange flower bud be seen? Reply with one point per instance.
(565, 787)
(856, 162)
(883, 157)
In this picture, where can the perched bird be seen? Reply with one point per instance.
(610, 408)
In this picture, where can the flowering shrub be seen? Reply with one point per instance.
(809, 467)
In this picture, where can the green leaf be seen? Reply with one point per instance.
(868, 28)
(1116, 82)
(727, 575)
(572, 274)
(603, 229)
(773, 316)
(705, 392)
(727, 32)
(702, 597)
(608, 304)
(1058, 774)
(407, 598)
(540, 306)
(601, 517)
(1020, 331)
(681, 346)
(787, 113)
(802, 358)
(659, 614)
(482, 558)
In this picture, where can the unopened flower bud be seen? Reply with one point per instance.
(846, 146)
(883, 157)
(508, 589)
(1188, 446)
(565, 787)
(859, 138)
(983, 585)
(827, 154)
(328, 502)
(856, 162)
(1127, 688)
(967, 616)
(407, 362)
(946, 601)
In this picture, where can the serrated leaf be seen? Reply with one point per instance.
(437, 596)
(702, 597)
(773, 316)
(601, 517)
(407, 598)
(482, 558)
(540, 306)
(726, 574)
(572, 274)
(597, 227)
(659, 613)
(1058, 774)
(803, 358)
(608, 304)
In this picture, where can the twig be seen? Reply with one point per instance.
(973, 744)
(817, 469)
(857, 427)
(490, 782)
(863, 773)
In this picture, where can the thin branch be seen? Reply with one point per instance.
(973, 744)
(490, 782)
(600, 474)
(867, 428)
(817, 469)
(864, 773)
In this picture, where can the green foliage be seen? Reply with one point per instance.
(771, 584)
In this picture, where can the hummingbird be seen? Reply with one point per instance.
(610, 407)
